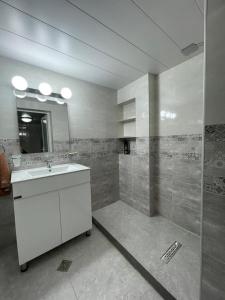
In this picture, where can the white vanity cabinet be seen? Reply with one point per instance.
(50, 210)
(75, 213)
(37, 220)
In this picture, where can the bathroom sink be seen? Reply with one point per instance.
(47, 171)
(35, 173)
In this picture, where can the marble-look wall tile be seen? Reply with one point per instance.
(134, 176)
(102, 156)
(175, 178)
(213, 231)
(213, 278)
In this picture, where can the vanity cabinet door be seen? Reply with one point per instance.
(75, 208)
(37, 225)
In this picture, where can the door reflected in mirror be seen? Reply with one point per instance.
(34, 131)
(42, 126)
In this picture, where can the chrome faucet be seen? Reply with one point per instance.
(49, 164)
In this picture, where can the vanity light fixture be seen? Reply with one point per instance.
(41, 98)
(66, 93)
(42, 94)
(45, 88)
(60, 101)
(26, 118)
(20, 94)
(20, 85)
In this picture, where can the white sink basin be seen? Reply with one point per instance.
(36, 173)
(47, 171)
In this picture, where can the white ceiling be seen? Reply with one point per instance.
(108, 42)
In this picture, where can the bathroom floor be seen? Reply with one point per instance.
(98, 272)
(147, 239)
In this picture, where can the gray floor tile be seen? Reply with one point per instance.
(98, 272)
(148, 238)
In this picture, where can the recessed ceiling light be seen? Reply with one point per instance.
(66, 93)
(26, 118)
(45, 88)
(19, 83)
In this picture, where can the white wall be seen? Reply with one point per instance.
(180, 91)
(138, 89)
(92, 109)
(215, 64)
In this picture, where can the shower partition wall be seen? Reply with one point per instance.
(213, 220)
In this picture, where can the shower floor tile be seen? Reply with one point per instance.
(147, 239)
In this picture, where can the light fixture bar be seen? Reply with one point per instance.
(37, 92)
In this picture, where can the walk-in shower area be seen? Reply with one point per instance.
(156, 222)
(112, 150)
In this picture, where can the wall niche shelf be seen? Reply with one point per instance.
(127, 137)
(126, 102)
(130, 119)
(127, 119)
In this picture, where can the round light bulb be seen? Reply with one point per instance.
(41, 98)
(19, 83)
(45, 88)
(19, 94)
(66, 93)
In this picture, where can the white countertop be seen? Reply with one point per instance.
(35, 173)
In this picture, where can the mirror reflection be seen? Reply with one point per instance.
(34, 131)
(42, 126)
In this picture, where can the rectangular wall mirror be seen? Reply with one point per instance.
(42, 127)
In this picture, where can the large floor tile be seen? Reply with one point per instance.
(98, 272)
(148, 238)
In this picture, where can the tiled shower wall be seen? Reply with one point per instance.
(213, 245)
(175, 180)
(213, 218)
(173, 171)
(134, 175)
(100, 154)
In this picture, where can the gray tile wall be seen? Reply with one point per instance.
(213, 231)
(100, 154)
(175, 178)
(134, 176)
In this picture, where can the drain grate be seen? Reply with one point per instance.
(64, 266)
(168, 255)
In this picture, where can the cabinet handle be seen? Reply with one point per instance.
(17, 197)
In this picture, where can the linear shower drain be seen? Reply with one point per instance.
(168, 255)
(64, 266)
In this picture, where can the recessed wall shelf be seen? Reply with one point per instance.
(127, 137)
(130, 119)
(127, 119)
(127, 102)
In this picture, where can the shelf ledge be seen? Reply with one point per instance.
(131, 119)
